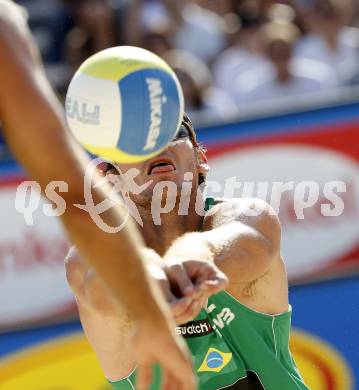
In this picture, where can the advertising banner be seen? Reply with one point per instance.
(306, 165)
(32, 252)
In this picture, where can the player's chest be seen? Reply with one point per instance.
(216, 363)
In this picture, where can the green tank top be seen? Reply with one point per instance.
(235, 348)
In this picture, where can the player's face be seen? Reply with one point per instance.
(179, 158)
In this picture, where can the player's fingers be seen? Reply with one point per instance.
(166, 380)
(144, 376)
(180, 380)
(166, 290)
(169, 382)
(178, 275)
(191, 312)
(179, 306)
(179, 366)
(185, 377)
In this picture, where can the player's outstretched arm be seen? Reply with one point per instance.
(242, 237)
(35, 131)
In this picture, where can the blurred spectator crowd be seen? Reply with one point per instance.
(230, 55)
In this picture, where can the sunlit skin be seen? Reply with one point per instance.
(37, 135)
(180, 157)
(246, 250)
(108, 328)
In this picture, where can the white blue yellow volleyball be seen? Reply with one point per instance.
(124, 104)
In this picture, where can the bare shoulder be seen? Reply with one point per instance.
(76, 269)
(72, 254)
(269, 292)
(106, 325)
(252, 212)
(91, 293)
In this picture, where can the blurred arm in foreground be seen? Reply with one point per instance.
(36, 133)
(108, 327)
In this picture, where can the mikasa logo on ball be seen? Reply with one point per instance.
(157, 99)
(82, 112)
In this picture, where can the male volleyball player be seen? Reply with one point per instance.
(35, 131)
(239, 339)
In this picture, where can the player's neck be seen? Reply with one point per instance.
(172, 225)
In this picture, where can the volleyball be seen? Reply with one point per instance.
(124, 104)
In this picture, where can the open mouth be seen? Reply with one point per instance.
(161, 165)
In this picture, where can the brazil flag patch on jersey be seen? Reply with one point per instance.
(215, 360)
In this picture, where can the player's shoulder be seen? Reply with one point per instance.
(244, 206)
(73, 264)
(75, 269)
(253, 212)
(72, 254)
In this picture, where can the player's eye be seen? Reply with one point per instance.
(181, 133)
(107, 168)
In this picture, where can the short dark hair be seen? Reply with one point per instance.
(187, 123)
